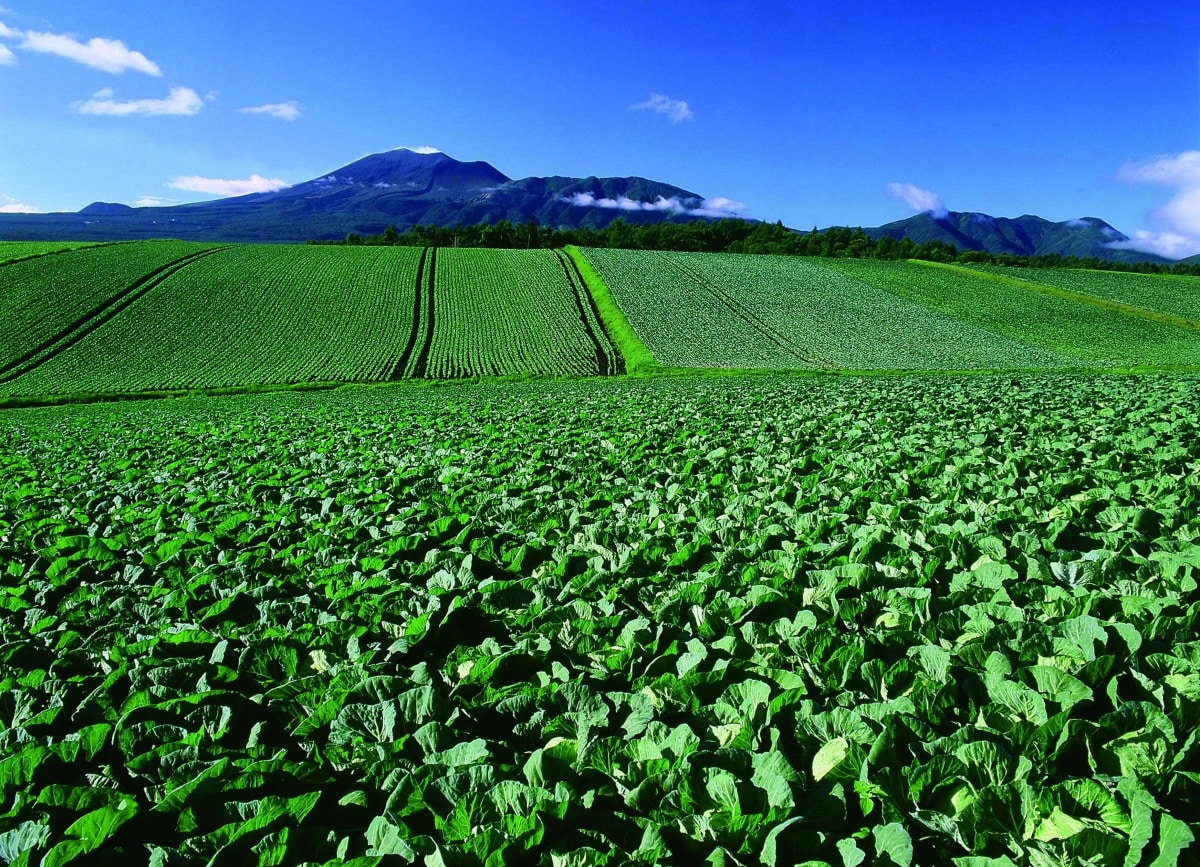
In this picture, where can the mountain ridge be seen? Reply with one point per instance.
(1026, 235)
(404, 188)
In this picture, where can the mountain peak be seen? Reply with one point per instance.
(410, 170)
(105, 209)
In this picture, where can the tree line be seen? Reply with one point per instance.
(732, 236)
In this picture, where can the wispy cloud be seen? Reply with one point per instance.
(279, 110)
(7, 32)
(1176, 224)
(421, 149)
(716, 207)
(919, 199)
(107, 55)
(221, 187)
(153, 202)
(7, 58)
(180, 101)
(675, 109)
(9, 205)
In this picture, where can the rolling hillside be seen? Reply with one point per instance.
(170, 315)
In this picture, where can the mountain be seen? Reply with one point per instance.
(1027, 235)
(400, 187)
(404, 188)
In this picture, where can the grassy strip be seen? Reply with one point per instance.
(1067, 294)
(639, 361)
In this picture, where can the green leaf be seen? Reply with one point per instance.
(1173, 837)
(1142, 808)
(467, 753)
(893, 843)
(852, 856)
(829, 757)
(1058, 826)
(90, 832)
(22, 838)
(722, 788)
(384, 838)
(208, 779)
(770, 852)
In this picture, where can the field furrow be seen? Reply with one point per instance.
(508, 312)
(248, 315)
(726, 310)
(45, 298)
(1159, 293)
(1087, 334)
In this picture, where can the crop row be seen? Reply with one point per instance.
(12, 251)
(841, 620)
(253, 315)
(1085, 332)
(501, 312)
(1162, 293)
(44, 298)
(249, 315)
(848, 323)
(684, 322)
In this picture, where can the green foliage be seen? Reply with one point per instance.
(1173, 296)
(919, 620)
(504, 312)
(636, 357)
(723, 310)
(245, 315)
(13, 251)
(1089, 334)
(47, 301)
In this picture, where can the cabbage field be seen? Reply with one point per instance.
(170, 316)
(12, 251)
(167, 315)
(741, 620)
(744, 311)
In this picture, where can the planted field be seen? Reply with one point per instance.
(249, 315)
(12, 251)
(706, 310)
(1088, 333)
(1161, 293)
(504, 312)
(93, 322)
(687, 322)
(46, 303)
(833, 621)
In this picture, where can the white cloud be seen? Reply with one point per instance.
(918, 199)
(1176, 223)
(675, 109)
(422, 149)
(7, 58)
(153, 202)
(7, 32)
(9, 205)
(107, 55)
(220, 187)
(280, 110)
(717, 207)
(180, 101)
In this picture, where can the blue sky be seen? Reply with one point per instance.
(813, 114)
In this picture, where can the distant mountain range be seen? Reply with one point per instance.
(1027, 235)
(405, 188)
(400, 188)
